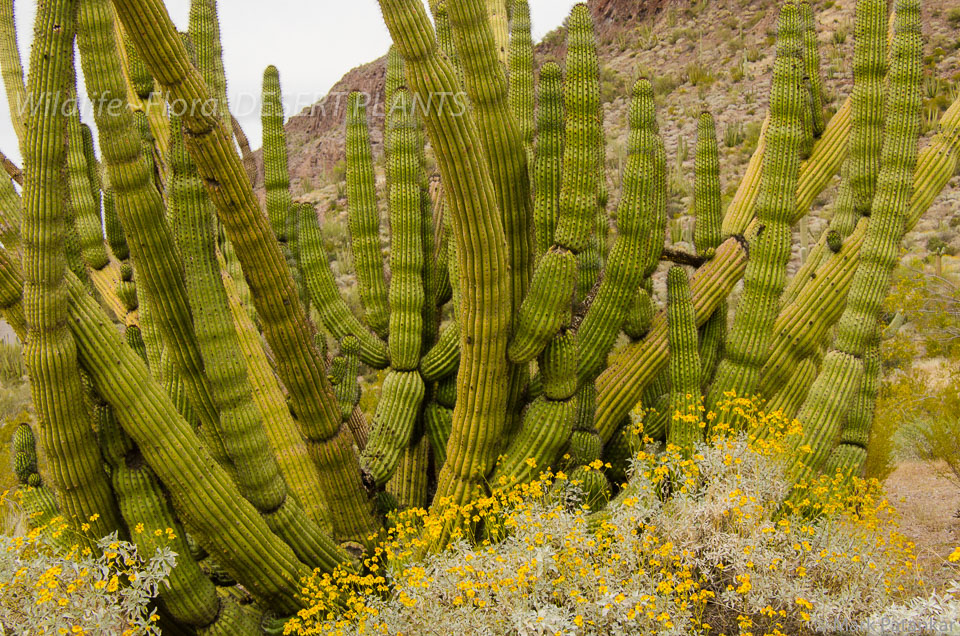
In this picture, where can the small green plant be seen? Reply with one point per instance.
(698, 74)
(733, 134)
(953, 17)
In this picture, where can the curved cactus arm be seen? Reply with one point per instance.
(549, 157)
(364, 217)
(202, 493)
(635, 221)
(621, 385)
(344, 371)
(66, 436)
(287, 443)
(640, 312)
(548, 306)
(84, 200)
(406, 250)
(821, 417)
(558, 365)
(141, 211)
(12, 70)
(189, 596)
(282, 315)
(765, 277)
(241, 428)
(816, 172)
(683, 415)
(481, 252)
(442, 359)
(811, 63)
(851, 453)
(393, 424)
(334, 312)
(520, 65)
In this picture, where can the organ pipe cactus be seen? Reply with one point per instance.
(257, 436)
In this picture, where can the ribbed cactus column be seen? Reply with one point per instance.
(521, 70)
(829, 399)
(280, 311)
(538, 321)
(190, 597)
(12, 69)
(403, 389)
(635, 220)
(708, 210)
(811, 62)
(241, 428)
(204, 30)
(50, 353)
(276, 176)
(84, 200)
(365, 217)
(335, 314)
(38, 500)
(480, 414)
(683, 416)
(140, 209)
(549, 157)
(739, 370)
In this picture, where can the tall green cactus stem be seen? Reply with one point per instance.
(640, 313)
(811, 62)
(579, 182)
(140, 78)
(752, 329)
(50, 353)
(203, 494)
(548, 307)
(190, 597)
(409, 483)
(140, 210)
(276, 179)
(83, 199)
(111, 223)
(625, 270)
(707, 235)
(12, 70)
(683, 415)
(479, 42)
(549, 157)
(406, 250)
(23, 451)
(521, 70)
(815, 173)
(855, 433)
(393, 423)
(789, 399)
(240, 426)
(437, 423)
(821, 416)
(869, 77)
(480, 414)
(93, 168)
(322, 286)
(631, 368)
(364, 217)
(204, 30)
(287, 443)
(282, 316)
(441, 18)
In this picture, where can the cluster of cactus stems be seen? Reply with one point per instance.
(216, 408)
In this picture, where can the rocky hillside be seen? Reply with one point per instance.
(700, 54)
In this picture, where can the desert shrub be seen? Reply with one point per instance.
(733, 134)
(47, 590)
(699, 544)
(953, 17)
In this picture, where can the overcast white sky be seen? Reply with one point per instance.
(324, 40)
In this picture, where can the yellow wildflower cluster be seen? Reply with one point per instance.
(694, 543)
(56, 580)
